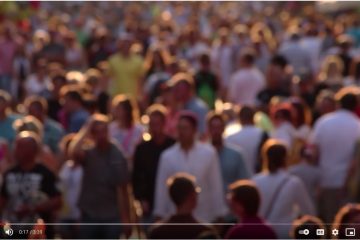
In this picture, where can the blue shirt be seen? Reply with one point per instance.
(53, 132)
(232, 165)
(199, 107)
(77, 120)
(7, 131)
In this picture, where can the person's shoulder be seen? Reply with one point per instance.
(205, 147)
(168, 153)
(54, 125)
(233, 149)
(42, 169)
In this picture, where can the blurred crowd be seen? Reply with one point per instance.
(212, 119)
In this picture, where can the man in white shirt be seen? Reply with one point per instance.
(334, 136)
(197, 159)
(247, 82)
(296, 55)
(249, 138)
(284, 196)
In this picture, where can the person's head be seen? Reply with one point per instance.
(345, 42)
(183, 191)
(301, 113)
(244, 198)
(37, 107)
(274, 153)
(307, 222)
(247, 58)
(183, 86)
(41, 67)
(204, 61)
(282, 113)
(99, 129)
(125, 110)
(29, 123)
(347, 217)
(72, 98)
(58, 81)
(276, 71)
(5, 100)
(187, 127)
(27, 146)
(295, 36)
(157, 119)
(216, 126)
(331, 67)
(92, 78)
(325, 102)
(246, 115)
(124, 43)
(347, 98)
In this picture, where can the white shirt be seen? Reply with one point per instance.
(248, 138)
(34, 87)
(71, 179)
(292, 200)
(244, 86)
(286, 133)
(222, 61)
(335, 135)
(312, 45)
(202, 162)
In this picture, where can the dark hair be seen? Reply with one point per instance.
(204, 59)
(247, 194)
(128, 105)
(215, 115)
(248, 56)
(190, 117)
(180, 187)
(283, 112)
(279, 60)
(275, 153)
(347, 98)
(246, 114)
(39, 103)
(74, 93)
(307, 222)
(303, 116)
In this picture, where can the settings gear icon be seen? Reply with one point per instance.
(335, 232)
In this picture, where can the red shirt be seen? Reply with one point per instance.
(251, 228)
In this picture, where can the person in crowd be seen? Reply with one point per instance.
(222, 57)
(245, 201)
(347, 217)
(280, 191)
(146, 159)
(206, 82)
(277, 80)
(330, 76)
(232, 162)
(126, 68)
(73, 106)
(249, 138)
(38, 82)
(184, 194)
(345, 43)
(6, 118)
(183, 87)
(53, 131)
(308, 172)
(335, 159)
(325, 103)
(29, 190)
(74, 55)
(284, 128)
(246, 83)
(32, 124)
(198, 159)
(8, 48)
(104, 192)
(58, 81)
(295, 54)
(70, 178)
(125, 128)
(312, 224)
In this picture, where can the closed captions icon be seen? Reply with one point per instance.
(320, 232)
